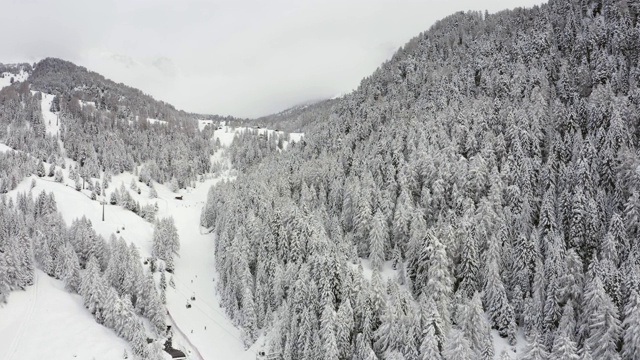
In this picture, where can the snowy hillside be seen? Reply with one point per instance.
(476, 197)
(6, 77)
(51, 121)
(203, 331)
(46, 322)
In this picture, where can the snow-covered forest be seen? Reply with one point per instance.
(476, 197)
(107, 274)
(478, 192)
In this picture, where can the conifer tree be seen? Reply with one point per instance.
(631, 326)
(378, 240)
(497, 304)
(457, 347)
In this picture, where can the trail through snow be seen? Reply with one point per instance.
(33, 298)
(205, 324)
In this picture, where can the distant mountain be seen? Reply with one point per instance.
(299, 118)
(63, 78)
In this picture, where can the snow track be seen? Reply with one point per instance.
(23, 324)
(205, 324)
(184, 336)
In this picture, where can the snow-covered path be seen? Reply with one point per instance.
(205, 323)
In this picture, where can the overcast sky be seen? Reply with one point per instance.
(234, 57)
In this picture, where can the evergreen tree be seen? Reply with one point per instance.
(457, 347)
(497, 304)
(631, 326)
(535, 349)
(378, 240)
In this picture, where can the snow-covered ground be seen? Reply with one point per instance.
(5, 80)
(227, 133)
(203, 123)
(205, 323)
(4, 148)
(154, 121)
(50, 119)
(87, 103)
(64, 329)
(47, 322)
(387, 272)
(213, 336)
(296, 137)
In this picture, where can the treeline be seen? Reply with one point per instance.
(15, 166)
(493, 161)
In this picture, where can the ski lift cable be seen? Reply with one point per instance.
(219, 312)
(203, 301)
(196, 306)
(191, 289)
(222, 327)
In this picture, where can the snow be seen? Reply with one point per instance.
(221, 339)
(4, 148)
(194, 275)
(74, 204)
(87, 103)
(50, 119)
(5, 80)
(296, 137)
(227, 133)
(501, 344)
(47, 322)
(203, 123)
(387, 272)
(154, 121)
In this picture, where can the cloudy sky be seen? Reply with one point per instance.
(231, 57)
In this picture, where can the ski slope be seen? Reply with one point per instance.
(47, 322)
(205, 323)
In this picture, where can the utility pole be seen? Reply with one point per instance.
(104, 198)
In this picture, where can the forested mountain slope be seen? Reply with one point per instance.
(63, 78)
(493, 163)
(298, 118)
(103, 125)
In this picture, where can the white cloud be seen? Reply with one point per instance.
(244, 57)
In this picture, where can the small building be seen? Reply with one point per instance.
(176, 354)
(262, 355)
